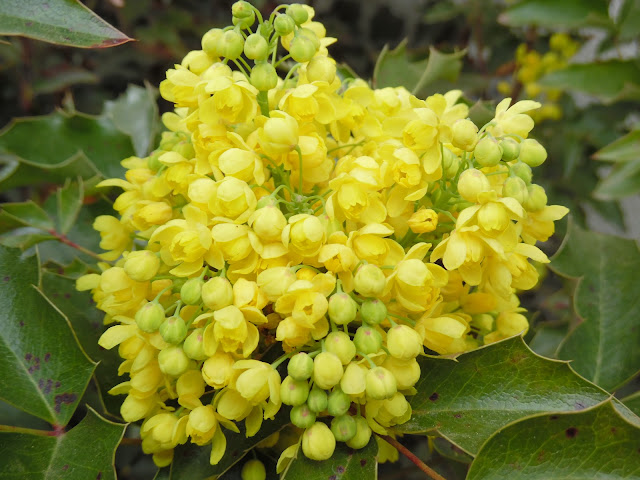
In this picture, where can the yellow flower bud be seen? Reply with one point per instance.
(511, 323)
(532, 153)
(471, 183)
(202, 424)
(317, 399)
(190, 387)
(279, 134)
(322, 69)
(217, 370)
(230, 44)
(256, 47)
(294, 392)
(536, 198)
(403, 342)
(373, 311)
(173, 361)
(298, 12)
(318, 443)
(381, 383)
(305, 234)
(268, 223)
(425, 220)
(210, 42)
(194, 345)
(142, 265)
(343, 427)
(515, 187)
(340, 344)
(191, 290)
(217, 293)
(300, 366)
(253, 470)
(302, 416)
(327, 370)
(342, 308)
(369, 281)
(134, 408)
(284, 24)
(264, 76)
(150, 317)
(465, 134)
(406, 372)
(523, 171)
(493, 218)
(232, 405)
(338, 403)
(362, 435)
(367, 340)
(510, 149)
(302, 48)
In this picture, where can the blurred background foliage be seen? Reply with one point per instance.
(579, 58)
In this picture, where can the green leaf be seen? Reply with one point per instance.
(394, 69)
(68, 77)
(609, 81)
(468, 398)
(64, 22)
(547, 339)
(84, 452)
(14, 215)
(69, 197)
(70, 145)
(632, 402)
(624, 149)
(595, 443)
(345, 464)
(18, 239)
(552, 14)
(44, 369)
(627, 23)
(192, 461)
(135, 113)
(622, 181)
(604, 346)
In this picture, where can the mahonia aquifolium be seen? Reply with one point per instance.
(344, 226)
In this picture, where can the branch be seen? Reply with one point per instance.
(64, 239)
(407, 453)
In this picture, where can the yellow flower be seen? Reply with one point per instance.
(217, 370)
(513, 119)
(439, 333)
(305, 234)
(114, 236)
(278, 134)
(202, 424)
(232, 331)
(424, 220)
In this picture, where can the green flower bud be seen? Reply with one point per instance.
(284, 24)
(320, 68)
(152, 161)
(302, 416)
(263, 76)
(373, 311)
(302, 49)
(217, 293)
(318, 443)
(367, 340)
(381, 383)
(245, 22)
(404, 342)
(537, 198)
(266, 201)
(450, 163)
(515, 187)
(510, 149)
(471, 183)
(194, 345)
(483, 321)
(465, 134)
(211, 40)
(340, 343)
(294, 392)
(343, 427)
(185, 148)
(362, 435)
(150, 317)
(253, 469)
(342, 308)
(300, 366)
(265, 29)
(173, 361)
(523, 171)
(317, 400)
(241, 9)
(369, 281)
(311, 35)
(298, 13)
(532, 153)
(190, 293)
(256, 47)
(327, 370)
(338, 403)
(487, 152)
(230, 45)
(141, 265)
(173, 330)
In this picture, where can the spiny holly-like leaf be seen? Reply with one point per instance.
(596, 443)
(609, 81)
(44, 371)
(66, 145)
(24, 214)
(394, 69)
(604, 347)
(84, 452)
(192, 461)
(346, 464)
(65, 22)
(469, 398)
(69, 197)
(555, 14)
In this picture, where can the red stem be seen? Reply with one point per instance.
(411, 456)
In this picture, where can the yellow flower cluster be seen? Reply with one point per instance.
(314, 221)
(531, 66)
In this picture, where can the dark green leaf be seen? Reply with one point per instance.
(64, 79)
(604, 347)
(24, 241)
(70, 197)
(84, 452)
(554, 14)
(482, 112)
(450, 450)
(609, 81)
(622, 181)
(469, 398)
(596, 443)
(70, 145)
(192, 461)
(24, 214)
(44, 371)
(624, 149)
(345, 463)
(632, 402)
(547, 339)
(627, 23)
(65, 22)
(135, 113)
(394, 69)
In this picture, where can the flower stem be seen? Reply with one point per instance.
(64, 239)
(411, 456)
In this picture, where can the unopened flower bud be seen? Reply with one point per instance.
(369, 281)
(318, 443)
(487, 152)
(465, 134)
(523, 171)
(230, 45)
(150, 317)
(327, 370)
(471, 183)
(343, 427)
(302, 49)
(211, 40)
(510, 149)
(294, 392)
(253, 470)
(381, 383)
(317, 400)
(450, 163)
(298, 13)
(515, 187)
(493, 217)
(190, 293)
(256, 47)
(217, 293)
(425, 220)
(537, 198)
(404, 342)
(362, 435)
(339, 402)
(340, 343)
(245, 22)
(264, 76)
(241, 9)
(532, 153)
(302, 416)
(406, 372)
(367, 340)
(141, 265)
(511, 323)
(320, 68)
(373, 311)
(342, 308)
(300, 366)
(153, 162)
(173, 329)
(194, 345)
(173, 361)
(284, 24)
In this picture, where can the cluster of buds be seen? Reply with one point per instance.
(302, 240)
